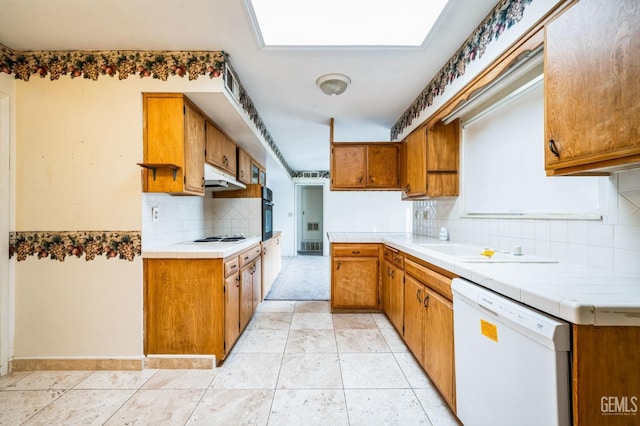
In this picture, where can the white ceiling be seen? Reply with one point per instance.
(281, 82)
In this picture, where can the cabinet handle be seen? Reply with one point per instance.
(393, 273)
(370, 179)
(246, 257)
(203, 182)
(407, 188)
(553, 148)
(238, 281)
(242, 174)
(338, 266)
(356, 252)
(419, 296)
(426, 301)
(233, 266)
(360, 180)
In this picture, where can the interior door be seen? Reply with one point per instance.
(310, 228)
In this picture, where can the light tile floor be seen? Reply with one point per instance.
(296, 364)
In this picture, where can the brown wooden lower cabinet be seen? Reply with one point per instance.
(355, 278)
(184, 306)
(393, 287)
(428, 324)
(605, 360)
(413, 318)
(606, 375)
(199, 306)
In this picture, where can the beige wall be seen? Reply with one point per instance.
(78, 308)
(78, 142)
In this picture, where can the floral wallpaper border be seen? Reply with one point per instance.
(93, 64)
(504, 16)
(90, 244)
(155, 64)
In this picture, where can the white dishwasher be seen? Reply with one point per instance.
(512, 362)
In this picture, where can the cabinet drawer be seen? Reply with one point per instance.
(248, 256)
(393, 256)
(436, 281)
(361, 250)
(231, 266)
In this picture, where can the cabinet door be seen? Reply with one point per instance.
(255, 172)
(443, 148)
(181, 301)
(246, 295)
(164, 141)
(438, 355)
(385, 278)
(232, 310)
(414, 159)
(244, 167)
(277, 257)
(194, 150)
(348, 163)
(414, 294)
(221, 151)
(355, 282)
(396, 297)
(592, 89)
(382, 166)
(267, 266)
(257, 283)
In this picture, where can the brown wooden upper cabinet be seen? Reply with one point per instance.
(258, 174)
(173, 144)
(360, 166)
(430, 161)
(220, 150)
(592, 89)
(244, 166)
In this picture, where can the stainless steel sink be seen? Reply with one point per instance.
(474, 254)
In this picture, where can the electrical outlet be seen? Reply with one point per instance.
(155, 214)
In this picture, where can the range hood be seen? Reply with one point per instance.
(216, 180)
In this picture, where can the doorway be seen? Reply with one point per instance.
(310, 220)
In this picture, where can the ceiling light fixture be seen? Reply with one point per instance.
(333, 84)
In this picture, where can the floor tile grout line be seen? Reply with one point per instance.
(273, 397)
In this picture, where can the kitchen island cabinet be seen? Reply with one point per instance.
(355, 278)
(592, 90)
(199, 306)
(173, 144)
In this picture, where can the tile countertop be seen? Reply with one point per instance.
(575, 293)
(191, 250)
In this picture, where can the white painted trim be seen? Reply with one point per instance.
(7, 299)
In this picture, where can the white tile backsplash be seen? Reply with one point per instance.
(188, 218)
(611, 243)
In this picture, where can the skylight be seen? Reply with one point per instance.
(344, 22)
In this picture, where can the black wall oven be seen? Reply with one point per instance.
(267, 213)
